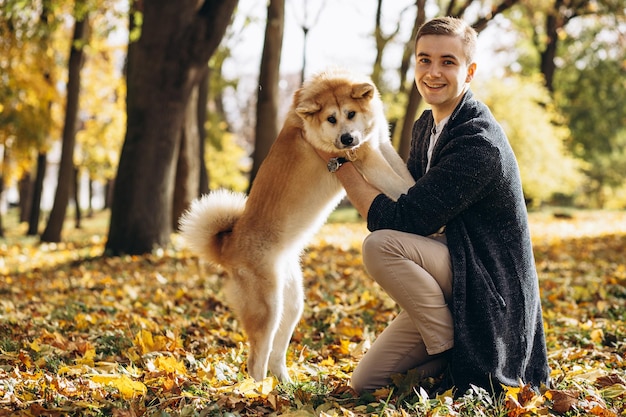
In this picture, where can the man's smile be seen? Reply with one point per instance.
(434, 85)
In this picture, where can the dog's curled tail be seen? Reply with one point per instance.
(208, 220)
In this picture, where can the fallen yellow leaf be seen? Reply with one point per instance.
(253, 389)
(34, 345)
(170, 365)
(127, 387)
(88, 357)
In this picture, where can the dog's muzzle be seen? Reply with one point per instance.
(347, 140)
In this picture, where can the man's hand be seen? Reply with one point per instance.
(360, 192)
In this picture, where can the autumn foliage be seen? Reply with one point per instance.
(86, 335)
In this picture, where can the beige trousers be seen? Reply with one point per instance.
(416, 272)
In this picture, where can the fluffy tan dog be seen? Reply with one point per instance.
(258, 240)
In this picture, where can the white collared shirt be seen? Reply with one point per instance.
(434, 136)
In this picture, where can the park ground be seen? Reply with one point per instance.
(85, 335)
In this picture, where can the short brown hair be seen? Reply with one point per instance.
(451, 26)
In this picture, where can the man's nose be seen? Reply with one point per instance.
(435, 70)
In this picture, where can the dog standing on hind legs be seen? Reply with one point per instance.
(258, 239)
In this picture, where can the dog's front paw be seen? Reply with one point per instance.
(281, 374)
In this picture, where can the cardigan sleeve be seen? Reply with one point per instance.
(467, 168)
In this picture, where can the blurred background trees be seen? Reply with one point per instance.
(165, 110)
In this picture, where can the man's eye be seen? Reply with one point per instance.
(351, 114)
(332, 119)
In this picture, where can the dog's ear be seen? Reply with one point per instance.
(307, 108)
(364, 90)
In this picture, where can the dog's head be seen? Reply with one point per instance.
(339, 110)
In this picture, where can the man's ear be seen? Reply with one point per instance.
(307, 108)
(471, 70)
(364, 90)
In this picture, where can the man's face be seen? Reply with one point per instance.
(442, 72)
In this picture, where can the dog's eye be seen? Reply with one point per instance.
(351, 114)
(332, 119)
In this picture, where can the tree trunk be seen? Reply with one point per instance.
(407, 124)
(76, 193)
(52, 233)
(90, 202)
(381, 40)
(164, 65)
(409, 48)
(4, 163)
(267, 102)
(188, 165)
(35, 209)
(415, 98)
(377, 67)
(554, 23)
(1, 191)
(191, 172)
(25, 187)
(203, 98)
(108, 193)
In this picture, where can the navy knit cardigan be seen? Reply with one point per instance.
(474, 189)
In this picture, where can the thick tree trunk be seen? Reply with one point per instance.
(52, 233)
(267, 101)
(142, 195)
(164, 65)
(108, 193)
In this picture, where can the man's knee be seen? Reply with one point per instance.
(374, 247)
(366, 378)
(375, 243)
(357, 381)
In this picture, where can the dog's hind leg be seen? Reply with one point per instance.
(257, 302)
(293, 305)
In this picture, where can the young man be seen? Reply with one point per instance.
(455, 251)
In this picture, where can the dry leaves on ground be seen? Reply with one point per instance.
(85, 335)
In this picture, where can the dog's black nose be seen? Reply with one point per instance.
(347, 139)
